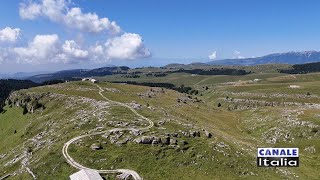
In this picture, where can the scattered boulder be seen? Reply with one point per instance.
(173, 142)
(222, 145)
(113, 140)
(183, 142)
(155, 142)
(208, 134)
(185, 134)
(310, 149)
(165, 140)
(136, 132)
(137, 140)
(95, 147)
(175, 135)
(195, 133)
(144, 140)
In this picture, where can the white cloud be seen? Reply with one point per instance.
(9, 35)
(45, 49)
(41, 50)
(48, 49)
(4, 55)
(213, 55)
(237, 55)
(97, 53)
(89, 22)
(53, 9)
(60, 12)
(72, 52)
(127, 46)
(30, 11)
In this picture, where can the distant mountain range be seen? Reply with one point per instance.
(21, 75)
(289, 58)
(78, 73)
(277, 58)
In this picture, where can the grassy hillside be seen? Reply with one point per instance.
(253, 113)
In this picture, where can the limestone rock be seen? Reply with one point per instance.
(173, 142)
(95, 147)
(165, 140)
(208, 134)
(144, 140)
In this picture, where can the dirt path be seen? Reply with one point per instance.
(76, 165)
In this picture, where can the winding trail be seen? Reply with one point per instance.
(76, 165)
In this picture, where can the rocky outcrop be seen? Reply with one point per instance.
(136, 132)
(30, 102)
(144, 140)
(156, 140)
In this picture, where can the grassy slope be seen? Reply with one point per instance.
(238, 129)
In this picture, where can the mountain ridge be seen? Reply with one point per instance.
(291, 57)
(78, 73)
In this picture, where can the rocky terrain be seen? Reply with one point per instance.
(155, 133)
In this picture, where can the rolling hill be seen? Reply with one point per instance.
(78, 73)
(252, 114)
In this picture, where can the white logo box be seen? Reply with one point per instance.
(278, 152)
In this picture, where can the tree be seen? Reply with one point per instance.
(219, 105)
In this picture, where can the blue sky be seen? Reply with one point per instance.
(177, 30)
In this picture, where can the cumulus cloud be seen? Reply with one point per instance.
(43, 48)
(213, 55)
(127, 46)
(72, 52)
(59, 11)
(48, 49)
(89, 22)
(30, 11)
(9, 35)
